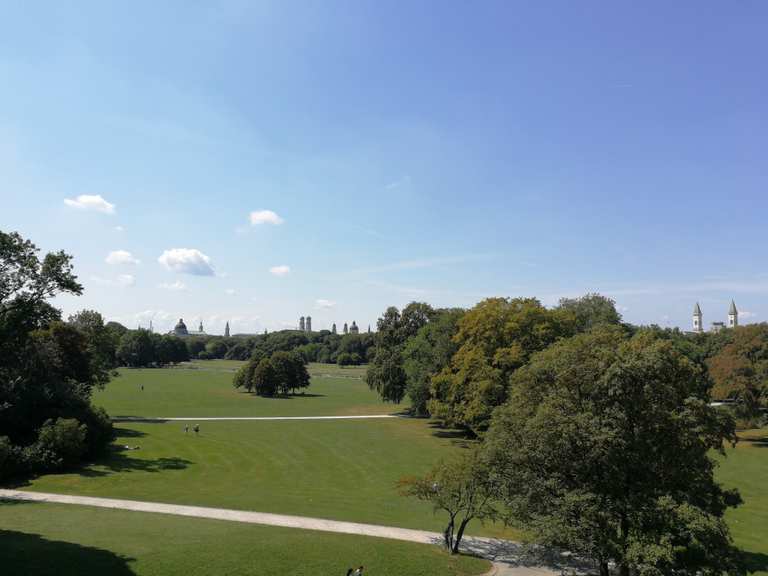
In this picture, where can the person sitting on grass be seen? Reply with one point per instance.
(359, 571)
(196, 429)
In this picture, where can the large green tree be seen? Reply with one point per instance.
(386, 374)
(605, 449)
(740, 370)
(427, 353)
(48, 369)
(590, 310)
(494, 339)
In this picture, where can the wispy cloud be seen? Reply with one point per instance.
(90, 203)
(281, 270)
(119, 229)
(177, 286)
(230, 291)
(265, 217)
(187, 261)
(323, 303)
(121, 257)
(121, 281)
(426, 263)
(399, 183)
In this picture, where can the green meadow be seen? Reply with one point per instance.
(336, 469)
(61, 540)
(205, 389)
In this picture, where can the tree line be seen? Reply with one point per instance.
(595, 436)
(278, 374)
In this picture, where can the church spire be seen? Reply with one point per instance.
(698, 325)
(733, 316)
(226, 330)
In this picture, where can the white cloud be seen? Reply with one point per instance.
(265, 217)
(121, 257)
(280, 270)
(230, 291)
(323, 303)
(123, 280)
(119, 229)
(92, 203)
(745, 314)
(177, 286)
(187, 261)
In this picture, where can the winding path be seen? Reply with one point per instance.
(509, 558)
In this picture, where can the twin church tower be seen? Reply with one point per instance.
(698, 323)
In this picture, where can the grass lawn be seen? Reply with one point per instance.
(746, 468)
(204, 388)
(343, 470)
(61, 540)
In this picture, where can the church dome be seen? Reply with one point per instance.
(180, 328)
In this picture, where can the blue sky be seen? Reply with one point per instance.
(437, 151)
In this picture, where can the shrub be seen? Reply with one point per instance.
(61, 443)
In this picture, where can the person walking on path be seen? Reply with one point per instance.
(186, 428)
(350, 571)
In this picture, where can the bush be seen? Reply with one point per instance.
(347, 359)
(11, 459)
(61, 443)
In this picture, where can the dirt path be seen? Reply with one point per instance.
(508, 557)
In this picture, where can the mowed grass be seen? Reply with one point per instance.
(338, 469)
(204, 388)
(746, 468)
(64, 540)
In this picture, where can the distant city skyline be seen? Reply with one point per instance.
(251, 163)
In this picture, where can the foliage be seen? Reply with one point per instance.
(494, 339)
(281, 373)
(60, 445)
(428, 352)
(48, 369)
(740, 370)
(604, 447)
(348, 359)
(589, 311)
(463, 487)
(386, 374)
(102, 341)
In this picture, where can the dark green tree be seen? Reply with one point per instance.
(137, 349)
(605, 449)
(589, 311)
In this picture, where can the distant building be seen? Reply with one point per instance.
(301, 323)
(181, 330)
(346, 329)
(698, 319)
(333, 328)
(308, 324)
(226, 330)
(354, 329)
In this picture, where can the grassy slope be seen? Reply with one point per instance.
(207, 390)
(51, 539)
(343, 470)
(746, 468)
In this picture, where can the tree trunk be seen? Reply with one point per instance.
(459, 534)
(604, 568)
(623, 569)
(448, 535)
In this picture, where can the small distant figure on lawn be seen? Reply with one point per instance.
(186, 428)
(196, 429)
(142, 387)
(359, 571)
(349, 571)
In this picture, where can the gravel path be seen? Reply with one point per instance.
(509, 559)
(207, 418)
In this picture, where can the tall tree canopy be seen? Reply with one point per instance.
(47, 368)
(494, 339)
(740, 370)
(386, 374)
(590, 310)
(605, 446)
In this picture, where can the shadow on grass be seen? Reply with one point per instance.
(128, 433)
(34, 555)
(755, 561)
(457, 437)
(119, 460)
(284, 397)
